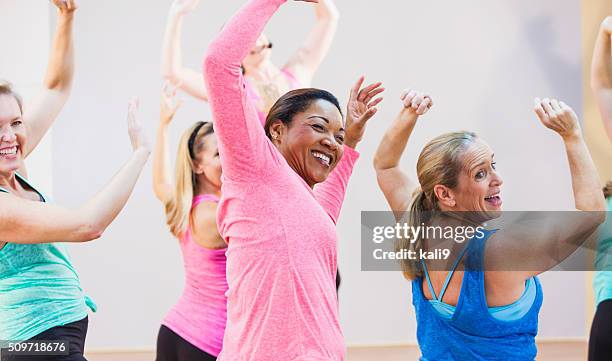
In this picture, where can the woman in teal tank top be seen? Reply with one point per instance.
(42, 298)
(468, 310)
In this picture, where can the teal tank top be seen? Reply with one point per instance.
(602, 282)
(39, 286)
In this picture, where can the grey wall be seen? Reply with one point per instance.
(482, 61)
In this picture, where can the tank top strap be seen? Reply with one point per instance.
(448, 276)
(22, 180)
(204, 198)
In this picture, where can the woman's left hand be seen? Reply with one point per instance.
(65, 6)
(361, 107)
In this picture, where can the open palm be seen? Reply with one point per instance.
(361, 107)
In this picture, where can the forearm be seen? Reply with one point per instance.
(394, 141)
(585, 179)
(60, 69)
(161, 165)
(102, 209)
(601, 67)
(171, 49)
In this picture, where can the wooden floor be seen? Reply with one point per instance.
(549, 351)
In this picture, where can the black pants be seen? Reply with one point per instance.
(338, 280)
(172, 347)
(600, 341)
(74, 333)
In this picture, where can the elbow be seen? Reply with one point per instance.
(212, 61)
(89, 231)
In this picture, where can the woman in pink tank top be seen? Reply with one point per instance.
(283, 189)
(265, 81)
(194, 327)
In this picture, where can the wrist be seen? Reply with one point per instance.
(572, 139)
(351, 143)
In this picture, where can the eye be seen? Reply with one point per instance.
(16, 123)
(340, 139)
(318, 127)
(494, 165)
(481, 174)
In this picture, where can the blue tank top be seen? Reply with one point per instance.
(472, 333)
(602, 282)
(39, 288)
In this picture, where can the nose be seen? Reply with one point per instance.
(497, 180)
(7, 135)
(330, 142)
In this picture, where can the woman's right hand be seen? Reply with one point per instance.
(183, 7)
(606, 25)
(135, 130)
(559, 117)
(415, 102)
(169, 104)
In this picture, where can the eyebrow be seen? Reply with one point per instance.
(482, 163)
(325, 119)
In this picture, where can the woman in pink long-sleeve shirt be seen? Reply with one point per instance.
(281, 234)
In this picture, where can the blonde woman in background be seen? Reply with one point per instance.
(194, 327)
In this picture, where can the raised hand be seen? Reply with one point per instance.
(65, 6)
(361, 107)
(558, 116)
(184, 6)
(416, 102)
(169, 105)
(135, 130)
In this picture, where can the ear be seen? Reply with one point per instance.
(445, 196)
(198, 168)
(277, 131)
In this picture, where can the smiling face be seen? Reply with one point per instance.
(479, 185)
(12, 134)
(312, 143)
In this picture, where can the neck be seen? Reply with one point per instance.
(9, 181)
(205, 187)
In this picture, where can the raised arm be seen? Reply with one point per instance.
(305, 62)
(601, 73)
(50, 100)
(394, 183)
(243, 145)
(541, 241)
(188, 80)
(361, 107)
(163, 184)
(24, 221)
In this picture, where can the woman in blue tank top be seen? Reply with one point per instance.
(41, 296)
(466, 311)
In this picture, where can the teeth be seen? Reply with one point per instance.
(323, 157)
(8, 151)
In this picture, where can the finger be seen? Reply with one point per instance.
(417, 100)
(404, 93)
(368, 115)
(408, 99)
(364, 92)
(567, 108)
(547, 107)
(375, 102)
(430, 101)
(356, 87)
(372, 94)
(539, 110)
(555, 105)
(423, 107)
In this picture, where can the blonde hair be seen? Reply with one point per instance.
(6, 88)
(439, 163)
(178, 208)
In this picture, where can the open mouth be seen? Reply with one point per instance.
(494, 200)
(324, 159)
(9, 152)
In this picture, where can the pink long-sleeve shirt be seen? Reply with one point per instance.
(282, 241)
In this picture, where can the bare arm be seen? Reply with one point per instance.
(394, 183)
(188, 80)
(45, 107)
(162, 175)
(24, 221)
(601, 73)
(305, 62)
(535, 246)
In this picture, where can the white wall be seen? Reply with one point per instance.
(482, 61)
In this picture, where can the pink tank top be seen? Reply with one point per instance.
(255, 97)
(200, 315)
